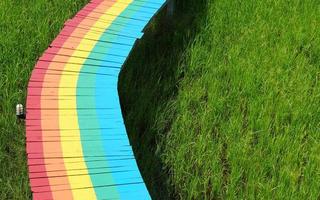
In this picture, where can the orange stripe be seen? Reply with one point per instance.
(54, 124)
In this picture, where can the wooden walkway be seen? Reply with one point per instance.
(77, 144)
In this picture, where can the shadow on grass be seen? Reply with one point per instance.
(147, 83)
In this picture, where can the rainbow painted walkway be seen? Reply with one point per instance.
(77, 143)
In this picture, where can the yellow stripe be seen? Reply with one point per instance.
(65, 122)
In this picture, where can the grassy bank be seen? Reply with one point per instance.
(234, 114)
(26, 30)
(148, 81)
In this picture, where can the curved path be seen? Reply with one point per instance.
(77, 143)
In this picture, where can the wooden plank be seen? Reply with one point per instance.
(133, 190)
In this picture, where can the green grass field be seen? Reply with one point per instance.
(235, 114)
(222, 101)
